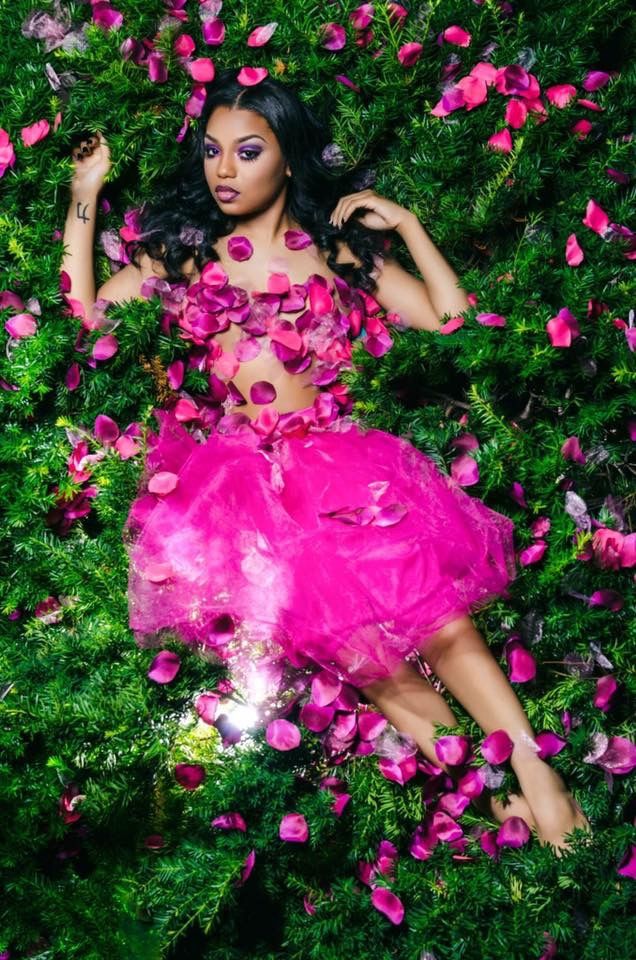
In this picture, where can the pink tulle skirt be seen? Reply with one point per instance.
(318, 544)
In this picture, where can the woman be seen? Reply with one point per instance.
(273, 528)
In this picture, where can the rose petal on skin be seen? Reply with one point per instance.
(497, 747)
(293, 828)
(452, 750)
(513, 832)
(206, 705)
(189, 775)
(316, 718)
(163, 482)
(239, 248)
(250, 76)
(261, 35)
(164, 667)
(388, 904)
(262, 392)
(230, 821)
(550, 744)
(283, 735)
(297, 239)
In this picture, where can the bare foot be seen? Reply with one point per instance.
(556, 812)
(515, 805)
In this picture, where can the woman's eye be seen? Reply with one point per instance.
(244, 155)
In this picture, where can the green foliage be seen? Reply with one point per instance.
(77, 706)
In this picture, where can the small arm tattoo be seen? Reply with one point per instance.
(81, 215)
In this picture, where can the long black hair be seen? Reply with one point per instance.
(184, 220)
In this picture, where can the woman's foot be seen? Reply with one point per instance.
(555, 811)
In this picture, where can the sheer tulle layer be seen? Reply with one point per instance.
(330, 545)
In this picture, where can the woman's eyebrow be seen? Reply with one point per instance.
(250, 136)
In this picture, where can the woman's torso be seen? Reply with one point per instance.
(294, 391)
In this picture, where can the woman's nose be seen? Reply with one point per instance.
(227, 167)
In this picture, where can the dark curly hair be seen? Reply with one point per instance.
(185, 220)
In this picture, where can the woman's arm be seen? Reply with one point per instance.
(420, 303)
(79, 238)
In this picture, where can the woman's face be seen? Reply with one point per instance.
(243, 163)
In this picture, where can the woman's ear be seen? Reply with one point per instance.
(287, 171)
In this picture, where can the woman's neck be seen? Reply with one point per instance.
(266, 229)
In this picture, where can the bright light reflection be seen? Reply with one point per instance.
(242, 715)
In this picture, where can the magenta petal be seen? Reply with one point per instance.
(105, 429)
(340, 803)
(162, 482)
(513, 832)
(388, 904)
(239, 248)
(471, 784)
(316, 718)
(627, 866)
(293, 828)
(248, 866)
(325, 687)
(549, 744)
(445, 827)
(454, 804)
(488, 843)
(164, 667)
(606, 687)
(282, 735)
(452, 749)
(206, 705)
(250, 76)
(189, 775)
(371, 725)
(333, 36)
(399, 772)
(230, 821)
(497, 747)
(521, 664)
(262, 392)
(297, 239)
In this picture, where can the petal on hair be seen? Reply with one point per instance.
(250, 76)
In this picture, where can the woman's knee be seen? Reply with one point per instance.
(446, 641)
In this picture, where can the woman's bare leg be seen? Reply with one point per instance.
(413, 706)
(459, 656)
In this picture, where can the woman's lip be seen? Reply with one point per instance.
(227, 190)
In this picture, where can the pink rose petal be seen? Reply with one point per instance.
(230, 821)
(334, 36)
(452, 750)
(316, 718)
(325, 687)
(164, 667)
(189, 775)
(248, 866)
(163, 482)
(627, 866)
(239, 248)
(606, 687)
(513, 832)
(262, 392)
(522, 666)
(282, 735)
(550, 744)
(388, 904)
(261, 35)
(293, 828)
(250, 76)
(497, 747)
(206, 705)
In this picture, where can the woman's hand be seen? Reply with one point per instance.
(91, 163)
(382, 214)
